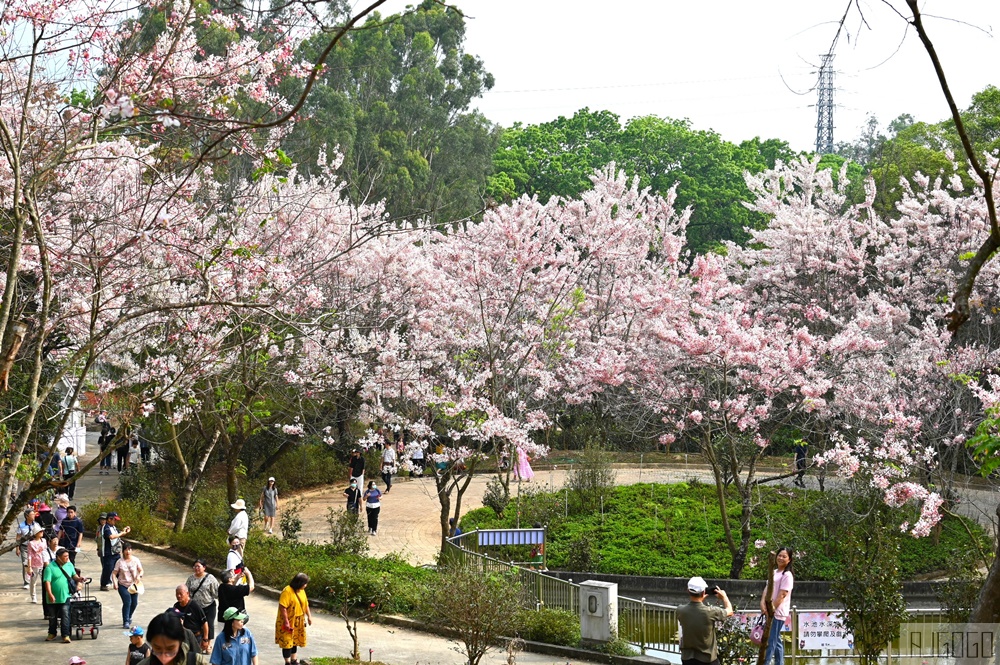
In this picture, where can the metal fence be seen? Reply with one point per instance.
(649, 626)
(537, 589)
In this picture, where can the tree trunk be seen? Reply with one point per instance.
(987, 609)
(191, 483)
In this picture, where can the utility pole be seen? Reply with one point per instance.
(824, 106)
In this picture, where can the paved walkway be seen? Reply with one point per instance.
(409, 520)
(22, 636)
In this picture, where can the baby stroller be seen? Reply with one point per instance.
(85, 612)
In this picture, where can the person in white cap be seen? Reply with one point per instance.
(268, 504)
(699, 645)
(241, 523)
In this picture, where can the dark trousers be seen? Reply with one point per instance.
(120, 456)
(387, 479)
(211, 610)
(145, 453)
(59, 612)
(72, 556)
(106, 460)
(107, 565)
(372, 517)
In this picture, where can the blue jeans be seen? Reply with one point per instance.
(59, 613)
(107, 565)
(775, 647)
(129, 603)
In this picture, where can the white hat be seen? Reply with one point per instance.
(239, 505)
(271, 479)
(697, 586)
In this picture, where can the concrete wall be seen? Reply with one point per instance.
(742, 593)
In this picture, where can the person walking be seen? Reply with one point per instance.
(192, 616)
(112, 548)
(60, 581)
(236, 645)
(268, 504)
(234, 559)
(121, 454)
(240, 526)
(138, 650)
(800, 463)
(25, 529)
(353, 495)
(356, 467)
(699, 643)
(373, 504)
(37, 548)
(70, 465)
(388, 464)
(781, 603)
(104, 443)
(204, 589)
(145, 451)
(418, 461)
(126, 578)
(71, 533)
(232, 594)
(51, 550)
(134, 454)
(523, 469)
(168, 642)
(293, 617)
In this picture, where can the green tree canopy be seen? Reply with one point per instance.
(394, 101)
(558, 158)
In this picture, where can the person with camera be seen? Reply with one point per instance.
(699, 645)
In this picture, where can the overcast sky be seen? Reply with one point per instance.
(741, 68)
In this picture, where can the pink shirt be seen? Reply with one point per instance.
(36, 553)
(783, 581)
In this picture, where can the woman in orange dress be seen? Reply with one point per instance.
(293, 616)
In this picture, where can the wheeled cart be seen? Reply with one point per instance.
(85, 613)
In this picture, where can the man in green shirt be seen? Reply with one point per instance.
(57, 590)
(698, 641)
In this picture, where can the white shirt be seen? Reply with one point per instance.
(240, 525)
(233, 559)
(388, 457)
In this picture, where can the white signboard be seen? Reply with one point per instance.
(823, 630)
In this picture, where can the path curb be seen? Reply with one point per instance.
(406, 622)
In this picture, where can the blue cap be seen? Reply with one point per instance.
(136, 631)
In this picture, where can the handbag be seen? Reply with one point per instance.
(136, 588)
(757, 631)
(71, 582)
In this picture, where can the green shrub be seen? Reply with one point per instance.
(347, 534)
(496, 496)
(550, 626)
(591, 478)
(139, 484)
(618, 647)
(290, 521)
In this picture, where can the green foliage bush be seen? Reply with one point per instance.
(669, 530)
(496, 497)
(139, 484)
(550, 626)
(347, 533)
